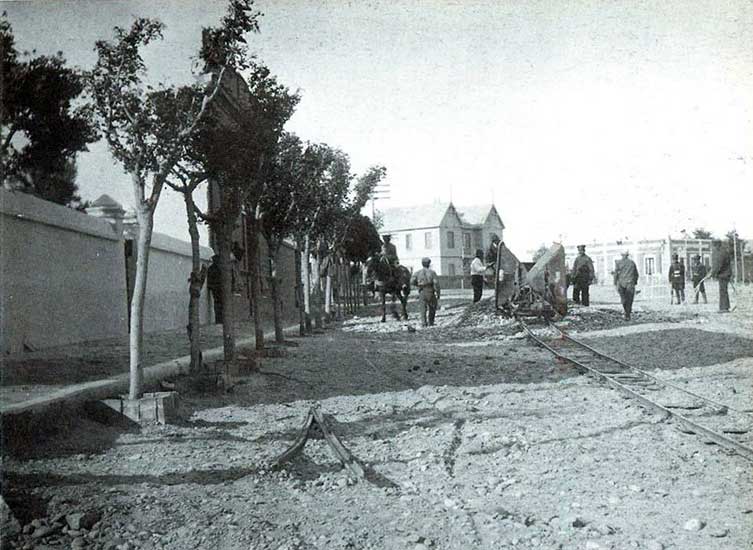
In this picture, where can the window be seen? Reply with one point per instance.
(408, 241)
(467, 241)
(451, 268)
(427, 239)
(450, 239)
(649, 265)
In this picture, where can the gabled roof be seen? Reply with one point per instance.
(431, 215)
(413, 217)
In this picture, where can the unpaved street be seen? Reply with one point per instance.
(470, 435)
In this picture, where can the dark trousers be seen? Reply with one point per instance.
(723, 295)
(427, 302)
(217, 299)
(580, 293)
(477, 282)
(699, 289)
(627, 293)
(678, 291)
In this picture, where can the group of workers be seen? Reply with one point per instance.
(582, 276)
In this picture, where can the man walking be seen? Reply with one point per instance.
(214, 285)
(677, 280)
(723, 274)
(582, 276)
(697, 274)
(428, 291)
(477, 275)
(625, 279)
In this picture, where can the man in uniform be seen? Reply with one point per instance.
(625, 279)
(389, 252)
(428, 291)
(723, 274)
(582, 276)
(697, 274)
(677, 280)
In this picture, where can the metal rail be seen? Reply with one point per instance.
(635, 382)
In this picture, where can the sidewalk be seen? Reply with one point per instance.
(32, 381)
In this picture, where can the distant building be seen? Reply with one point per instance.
(447, 234)
(652, 256)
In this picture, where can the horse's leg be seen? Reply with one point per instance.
(393, 307)
(404, 303)
(384, 305)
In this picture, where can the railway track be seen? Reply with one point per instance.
(715, 422)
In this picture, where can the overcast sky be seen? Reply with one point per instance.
(582, 120)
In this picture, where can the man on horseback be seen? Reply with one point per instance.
(427, 281)
(389, 254)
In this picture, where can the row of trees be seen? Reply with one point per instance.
(184, 136)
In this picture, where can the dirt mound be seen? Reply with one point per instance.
(481, 314)
(584, 319)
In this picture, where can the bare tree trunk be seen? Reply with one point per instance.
(316, 291)
(145, 217)
(195, 284)
(273, 246)
(228, 301)
(299, 289)
(306, 276)
(252, 237)
(328, 295)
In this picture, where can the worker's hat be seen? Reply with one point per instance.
(581, 247)
(425, 261)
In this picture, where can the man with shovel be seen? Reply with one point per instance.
(698, 276)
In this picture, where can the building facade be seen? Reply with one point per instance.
(447, 234)
(652, 256)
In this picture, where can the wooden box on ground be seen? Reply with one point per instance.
(158, 407)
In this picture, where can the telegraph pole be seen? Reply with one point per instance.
(381, 192)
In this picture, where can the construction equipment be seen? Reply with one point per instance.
(531, 290)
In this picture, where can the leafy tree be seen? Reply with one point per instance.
(239, 156)
(701, 233)
(45, 123)
(362, 240)
(146, 130)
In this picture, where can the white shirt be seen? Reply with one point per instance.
(477, 267)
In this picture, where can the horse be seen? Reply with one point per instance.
(387, 279)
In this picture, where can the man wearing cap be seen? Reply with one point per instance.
(697, 275)
(428, 291)
(491, 253)
(677, 280)
(723, 274)
(625, 279)
(582, 275)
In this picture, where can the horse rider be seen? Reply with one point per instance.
(427, 281)
(389, 253)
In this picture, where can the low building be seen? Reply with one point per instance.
(446, 233)
(652, 256)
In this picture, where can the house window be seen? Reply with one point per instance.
(451, 268)
(427, 239)
(408, 242)
(450, 239)
(467, 241)
(649, 265)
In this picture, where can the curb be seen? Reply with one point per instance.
(100, 389)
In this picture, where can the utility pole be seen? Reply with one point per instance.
(381, 192)
(734, 248)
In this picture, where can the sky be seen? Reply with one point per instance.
(582, 120)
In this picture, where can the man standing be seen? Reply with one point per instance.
(625, 279)
(697, 274)
(723, 274)
(677, 280)
(491, 253)
(477, 275)
(428, 291)
(582, 276)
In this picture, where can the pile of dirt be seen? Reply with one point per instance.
(481, 314)
(584, 319)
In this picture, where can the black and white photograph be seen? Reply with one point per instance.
(376, 274)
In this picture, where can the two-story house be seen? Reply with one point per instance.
(446, 233)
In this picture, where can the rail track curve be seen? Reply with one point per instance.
(716, 422)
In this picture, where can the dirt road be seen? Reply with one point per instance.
(471, 437)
